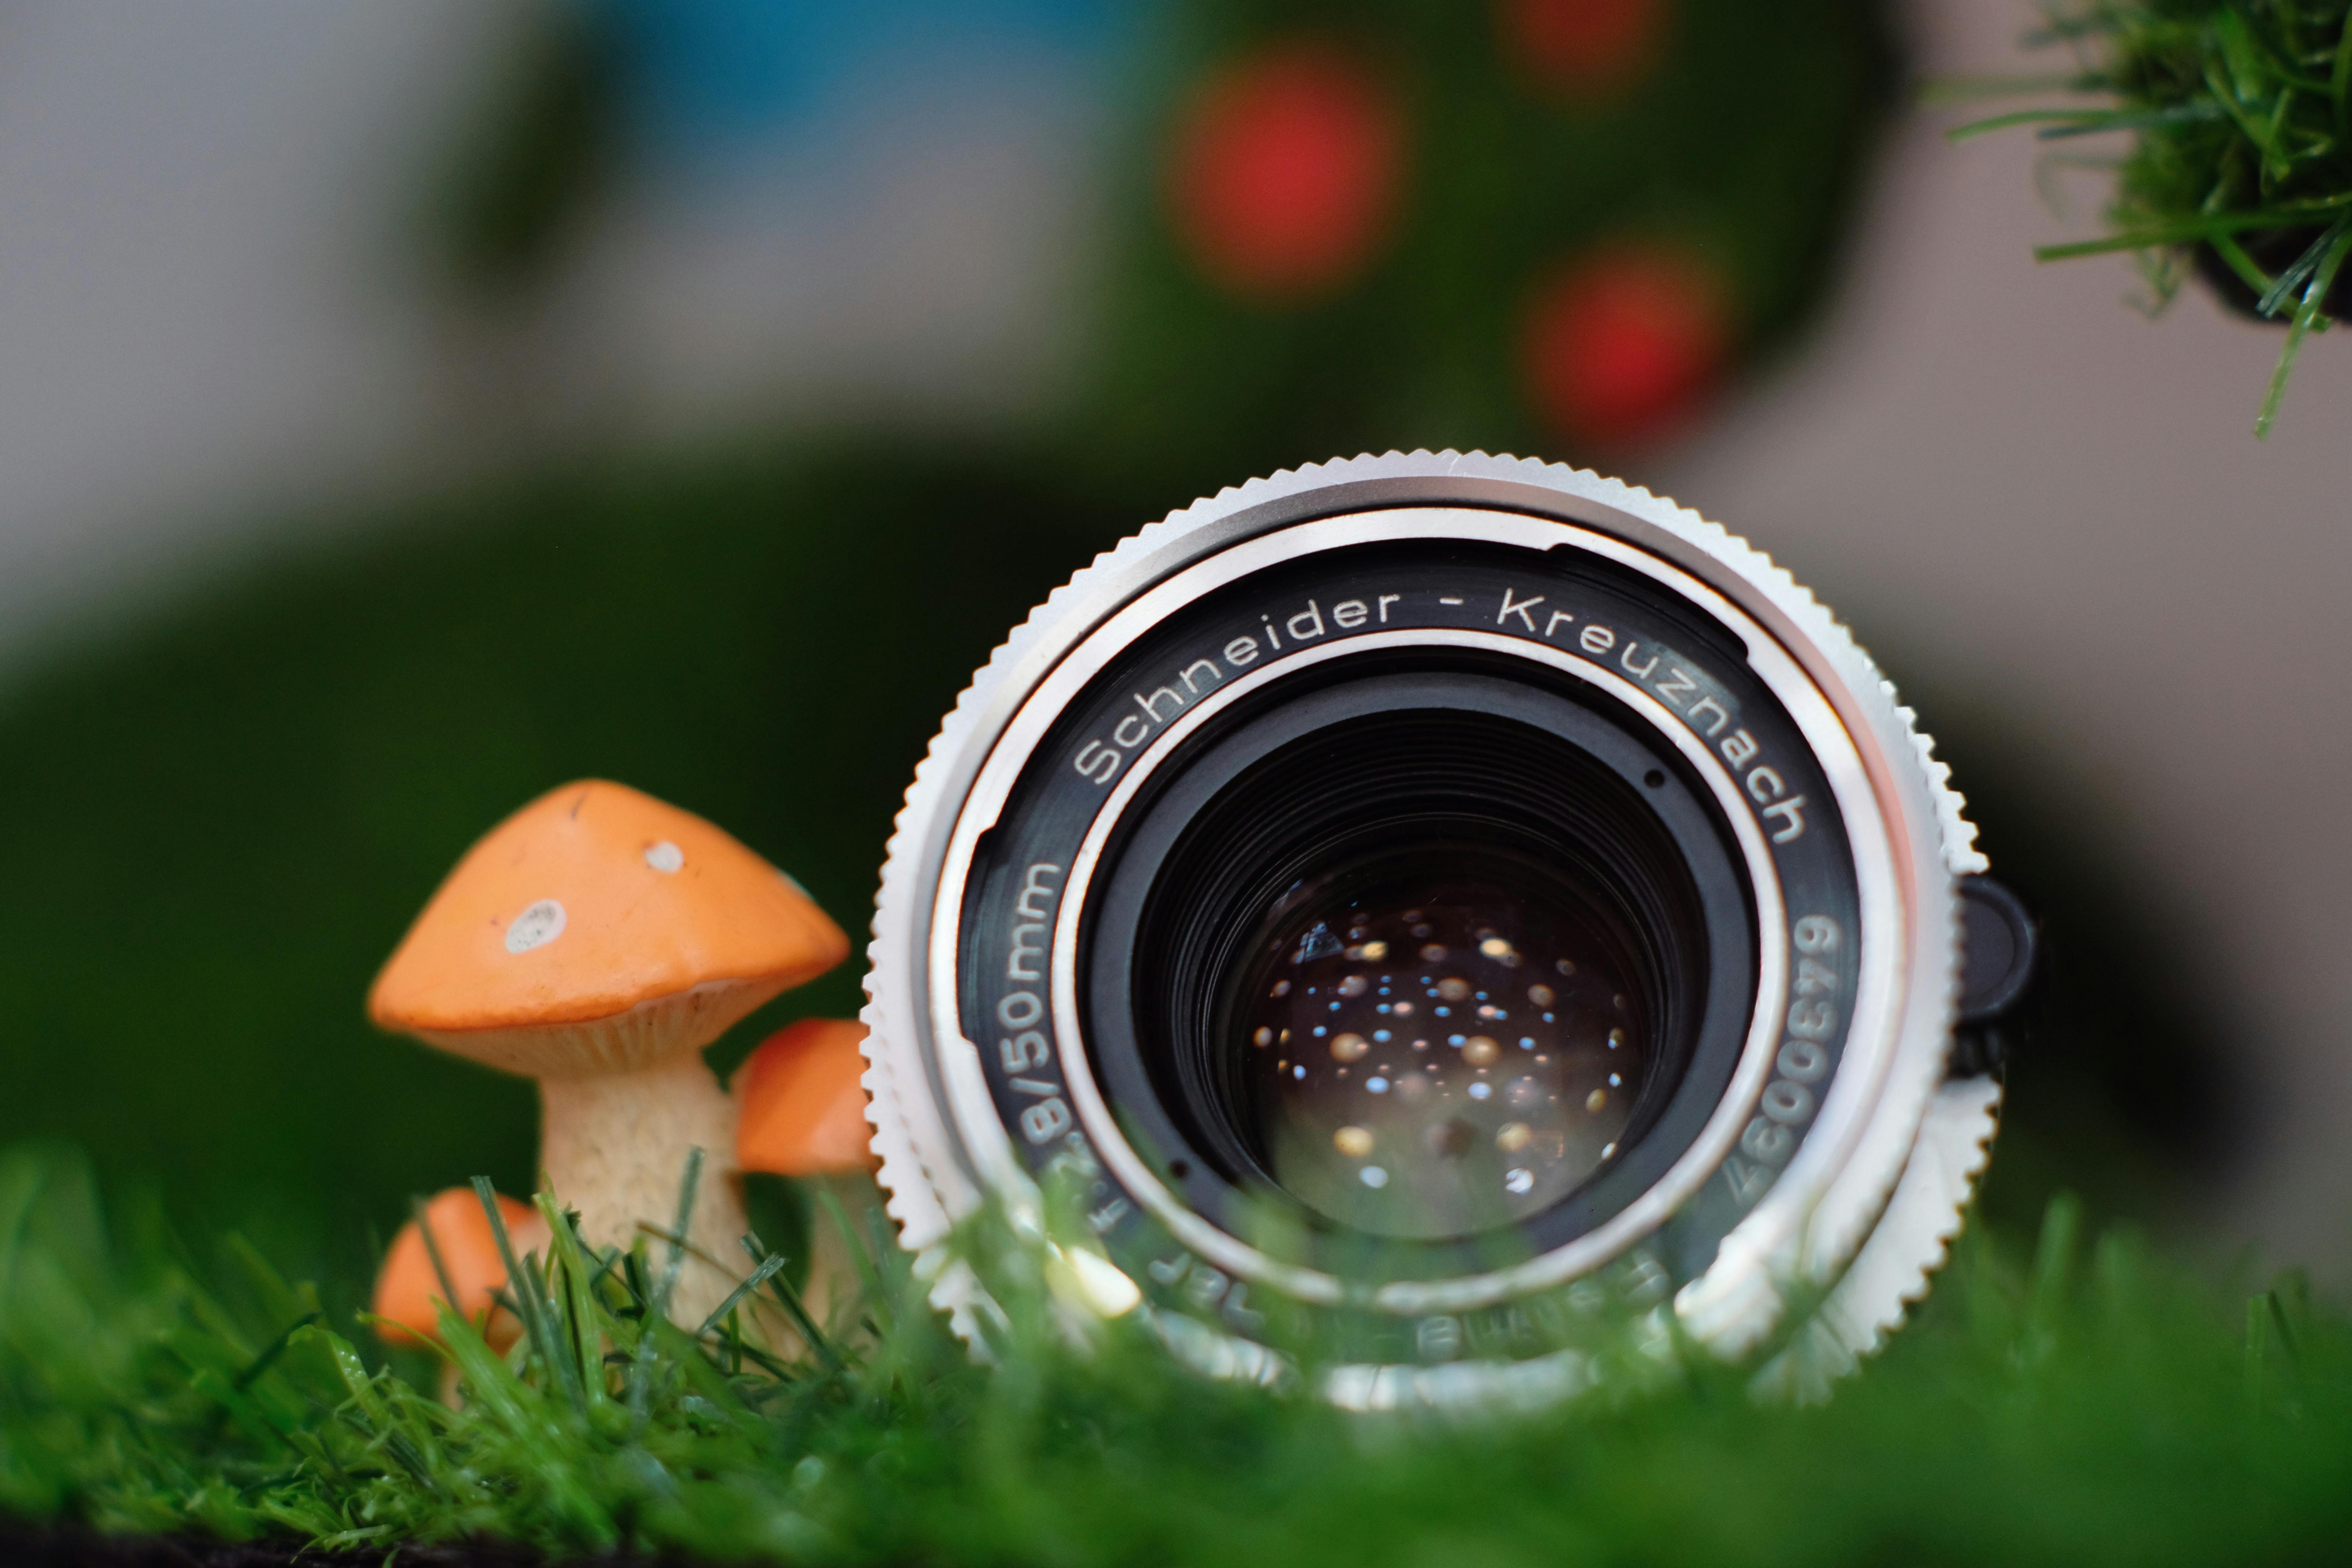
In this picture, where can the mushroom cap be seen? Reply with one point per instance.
(408, 1287)
(804, 1104)
(599, 930)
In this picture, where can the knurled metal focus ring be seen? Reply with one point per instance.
(1857, 1229)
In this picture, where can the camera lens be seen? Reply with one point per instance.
(1487, 909)
(1433, 1050)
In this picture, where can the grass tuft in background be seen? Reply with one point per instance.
(2074, 1399)
(2241, 167)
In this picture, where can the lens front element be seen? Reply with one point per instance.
(1494, 946)
(1435, 1056)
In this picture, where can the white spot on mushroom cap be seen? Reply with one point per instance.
(665, 857)
(537, 926)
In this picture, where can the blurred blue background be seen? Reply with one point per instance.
(706, 82)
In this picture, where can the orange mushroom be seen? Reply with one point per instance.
(408, 1291)
(408, 1288)
(804, 1102)
(596, 941)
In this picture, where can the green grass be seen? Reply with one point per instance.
(2241, 116)
(2074, 1404)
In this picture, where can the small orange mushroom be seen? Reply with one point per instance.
(803, 1099)
(408, 1288)
(804, 1102)
(596, 941)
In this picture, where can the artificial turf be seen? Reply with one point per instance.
(2239, 168)
(2081, 1400)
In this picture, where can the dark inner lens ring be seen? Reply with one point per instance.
(1529, 835)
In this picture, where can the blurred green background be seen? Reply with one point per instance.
(1573, 229)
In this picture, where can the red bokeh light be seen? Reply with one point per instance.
(1286, 170)
(1593, 48)
(1624, 347)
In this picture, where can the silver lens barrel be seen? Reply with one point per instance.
(1096, 930)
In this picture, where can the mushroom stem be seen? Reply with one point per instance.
(616, 1148)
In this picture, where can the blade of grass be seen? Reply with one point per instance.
(2307, 320)
(2296, 274)
(870, 1286)
(758, 1277)
(2190, 230)
(680, 1228)
(790, 1299)
(528, 1295)
(2226, 97)
(492, 1382)
(579, 1270)
(271, 1351)
(2106, 121)
(2016, 116)
(563, 1332)
(2235, 254)
(432, 1251)
(641, 1369)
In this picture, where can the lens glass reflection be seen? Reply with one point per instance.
(1427, 1055)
